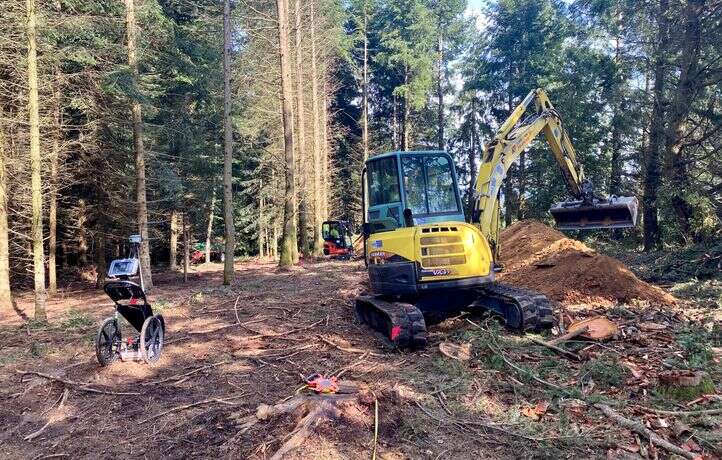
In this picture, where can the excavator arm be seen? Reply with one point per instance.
(584, 211)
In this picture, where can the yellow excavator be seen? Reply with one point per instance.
(425, 262)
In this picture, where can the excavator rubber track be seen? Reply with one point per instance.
(402, 324)
(522, 309)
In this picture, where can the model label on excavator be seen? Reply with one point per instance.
(377, 244)
(436, 272)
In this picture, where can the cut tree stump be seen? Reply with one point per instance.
(684, 385)
(313, 409)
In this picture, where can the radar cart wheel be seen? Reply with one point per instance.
(151, 339)
(108, 342)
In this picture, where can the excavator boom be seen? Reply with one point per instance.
(585, 210)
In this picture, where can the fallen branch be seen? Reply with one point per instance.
(180, 376)
(556, 349)
(83, 386)
(346, 349)
(569, 335)
(260, 335)
(715, 411)
(639, 428)
(225, 401)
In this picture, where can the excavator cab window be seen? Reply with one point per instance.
(429, 185)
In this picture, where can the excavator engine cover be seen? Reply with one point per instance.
(613, 212)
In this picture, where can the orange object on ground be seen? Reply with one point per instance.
(321, 384)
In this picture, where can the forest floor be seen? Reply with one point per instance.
(230, 349)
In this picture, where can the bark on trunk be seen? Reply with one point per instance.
(365, 88)
(173, 263)
(100, 260)
(53, 198)
(6, 300)
(679, 109)
(186, 248)
(395, 124)
(288, 239)
(141, 198)
(230, 230)
(35, 166)
(325, 151)
(656, 134)
(209, 228)
(472, 161)
(82, 233)
(303, 211)
(317, 205)
(440, 92)
(407, 113)
(261, 220)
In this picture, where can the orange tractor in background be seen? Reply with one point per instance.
(337, 239)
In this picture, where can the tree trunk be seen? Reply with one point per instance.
(325, 150)
(6, 299)
(656, 134)
(186, 248)
(288, 239)
(303, 211)
(395, 124)
(472, 161)
(53, 211)
(230, 229)
(261, 220)
(679, 109)
(82, 233)
(209, 228)
(100, 260)
(615, 177)
(141, 198)
(407, 112)
(317, 205)
(440, 90)
(173, 263)
(365, 88)
(35, 166)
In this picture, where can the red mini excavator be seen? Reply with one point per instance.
(337, 242)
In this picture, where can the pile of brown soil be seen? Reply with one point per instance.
(541, 258)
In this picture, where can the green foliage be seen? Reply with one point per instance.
(605, 371)
(76, 321)
(696, 343)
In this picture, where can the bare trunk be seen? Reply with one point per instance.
(679, 109)
(53, 211)
(173, 263)
(82, 233)
(472, 160)
(303, 211)
(100, 260)
(6, 299)
(35, 166)
(365, 89)
(209, 228)
(325, 151)
(230, 229)
(395, 124)
(186, 248)
(656, 134)
(440, 91)
(141, 198)
(317, 205)
(288, 239)
(615, 177)
(261, 220)
(407, 112)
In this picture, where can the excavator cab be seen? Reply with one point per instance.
(405, 189)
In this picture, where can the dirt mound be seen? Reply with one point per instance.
(541, 258)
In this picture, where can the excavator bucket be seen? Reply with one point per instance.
(614, 212)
